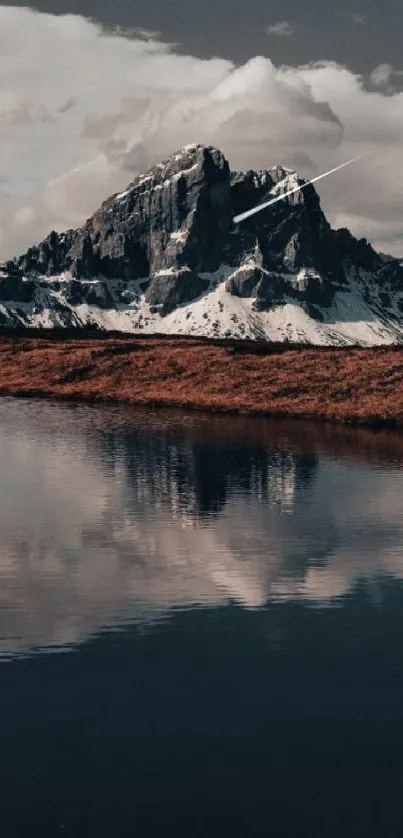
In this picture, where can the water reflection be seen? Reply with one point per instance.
(111, 515)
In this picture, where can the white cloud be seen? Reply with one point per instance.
(381, 75)
(82, 111)
(384, 77)
(282, 28)
(353, 17)
(358, 19)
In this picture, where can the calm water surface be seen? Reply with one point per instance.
(201, 626)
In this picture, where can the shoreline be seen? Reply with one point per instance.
(353, 386)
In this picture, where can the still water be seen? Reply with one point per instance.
(201, 625)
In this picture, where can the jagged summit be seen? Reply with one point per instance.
(208, 161)
(165, 255)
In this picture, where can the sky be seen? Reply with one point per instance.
(92, 92)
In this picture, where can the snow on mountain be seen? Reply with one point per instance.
(164, 256)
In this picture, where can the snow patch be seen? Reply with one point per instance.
(122, 195)
(284, 185)
(164, 271)
(178, 235)
(349, 320)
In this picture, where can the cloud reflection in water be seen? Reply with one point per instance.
(109, 516)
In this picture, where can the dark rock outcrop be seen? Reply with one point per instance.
(245, 281)
(50, 256)
(15, 287)
(167, 291)
(251, 281)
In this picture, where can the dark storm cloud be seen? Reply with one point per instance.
(361, 34)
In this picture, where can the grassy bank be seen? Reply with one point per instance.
(351, 385)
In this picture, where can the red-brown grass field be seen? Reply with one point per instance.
(359, 386)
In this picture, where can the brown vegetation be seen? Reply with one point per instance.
(354, 385)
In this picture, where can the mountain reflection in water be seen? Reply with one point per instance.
(223, 599)
(110, 516)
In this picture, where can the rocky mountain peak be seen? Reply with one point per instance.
(173, 215)
(193, 161)
(179, 214)
(169, 239)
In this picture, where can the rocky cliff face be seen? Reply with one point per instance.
(165, 255)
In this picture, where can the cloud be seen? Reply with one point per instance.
(381, 75)
(133, 32)
(384, 77)
(83, 110)
(88, 542)
(358, 19)
(282, 28)
(354, 17)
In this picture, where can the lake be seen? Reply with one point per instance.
(201, 625)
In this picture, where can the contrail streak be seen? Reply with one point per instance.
(80, 168)
(259, 207)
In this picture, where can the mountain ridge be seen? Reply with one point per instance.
(165, 256)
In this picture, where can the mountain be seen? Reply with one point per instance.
(164, 256)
